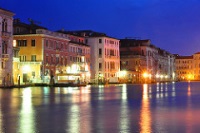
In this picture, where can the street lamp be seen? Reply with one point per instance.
(145, 75)
(123, 74)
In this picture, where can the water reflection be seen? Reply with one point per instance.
(162, 107)
(27, 114)
(173, 90)
(74, 120)
(145, 116)
(189, 90)
(189, 114)
(124, 119)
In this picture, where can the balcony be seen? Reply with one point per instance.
(5, 56)
(6, 34)
(112, 56)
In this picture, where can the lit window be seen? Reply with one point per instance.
(33, 57)
(33, 42)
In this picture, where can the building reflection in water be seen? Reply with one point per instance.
(188, 90)
(27, 114)
(145, 116)
(74, 119)
(124, 119)
(173, 90)
(189, 114)
(78, 119)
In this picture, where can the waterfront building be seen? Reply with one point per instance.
(188, 67)
(16, 63)
(141, 61)
(46, 55)
(196, 66)
(184, 68)
(104, 57)
(6, 49)
(78, 64)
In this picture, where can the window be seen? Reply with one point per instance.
(57, 60)
(2, 65)
(47, 59)
(51, 59)
(51, 42)
(100, 52)
(62, 61)
(112, 65)
(47, 43)
(100, 40)
(100, 66)
(112, 52)
(33, 57)
(22, 43)
(33, 42)
(18, 30)
(65, 61)
(4, 47)
(22, 58)
(4, 25)
(80, 51)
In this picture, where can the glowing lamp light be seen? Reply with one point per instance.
(145, 75)
(101, 75)
(86, 68)
(14, 43)
(123, 73)
(190, 76)
(26, 69)
(74, 68)
(68, 69)
(88, 74)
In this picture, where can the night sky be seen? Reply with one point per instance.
(173, 25)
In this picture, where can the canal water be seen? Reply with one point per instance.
(159, 108)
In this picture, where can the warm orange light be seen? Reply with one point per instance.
(145, 116)
(190, 76)
(145, 75)
(14, 43)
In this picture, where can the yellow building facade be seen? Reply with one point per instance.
(184, 68)
(50, 55)
(31, 58)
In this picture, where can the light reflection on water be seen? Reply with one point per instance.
(124, 121)
(145, 116)
(27, 114)
(161, 107)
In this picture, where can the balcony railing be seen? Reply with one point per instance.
(5, 56)
(4, 33)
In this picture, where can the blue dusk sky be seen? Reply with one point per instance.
(173, 25)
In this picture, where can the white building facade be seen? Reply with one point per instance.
(6, 53)
(105, 59)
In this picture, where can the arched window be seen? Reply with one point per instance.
(4, 47)
(4, 25)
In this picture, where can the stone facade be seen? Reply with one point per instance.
(46, 55)
(6, 48)
(144, 62)
(188, 67)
